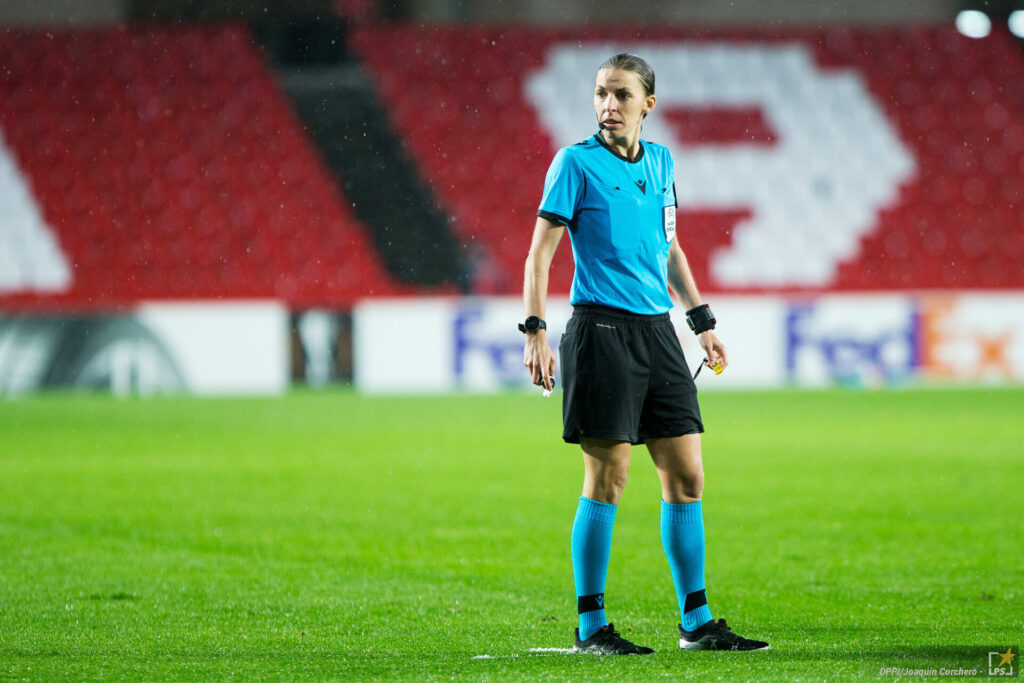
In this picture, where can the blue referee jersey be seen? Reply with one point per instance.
(621, 219)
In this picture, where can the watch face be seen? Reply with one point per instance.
(533, 323)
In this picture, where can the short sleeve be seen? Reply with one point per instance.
(563, 189)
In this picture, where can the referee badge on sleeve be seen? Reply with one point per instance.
(670, 223)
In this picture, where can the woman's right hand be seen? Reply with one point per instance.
(539, 359)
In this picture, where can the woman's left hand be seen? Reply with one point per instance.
(714, 349)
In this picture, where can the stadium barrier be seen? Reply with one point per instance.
(858, 340)
(193, 347)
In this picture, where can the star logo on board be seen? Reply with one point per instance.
(1001, 663)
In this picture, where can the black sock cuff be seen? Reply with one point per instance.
(589, 603)
(694, 600)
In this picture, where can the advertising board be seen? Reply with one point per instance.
(870, 340)
(196, 347)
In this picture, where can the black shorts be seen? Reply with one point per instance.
(624, 378)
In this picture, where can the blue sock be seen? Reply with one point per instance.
(591, 548)
(682, 534)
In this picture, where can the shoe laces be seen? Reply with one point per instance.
(611, 633)
(726, 633)
(610, 630)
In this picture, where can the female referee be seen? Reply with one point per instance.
(625, 379)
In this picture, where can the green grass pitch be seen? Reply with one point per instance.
(336, 537)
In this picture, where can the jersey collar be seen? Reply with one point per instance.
(639, 155)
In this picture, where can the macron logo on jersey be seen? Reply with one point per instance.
(642, 184)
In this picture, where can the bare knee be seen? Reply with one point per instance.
(692, 486)
(680, 468)
(682, 486)
(607, 483)
(606, 469)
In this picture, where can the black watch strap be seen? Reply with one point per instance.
(532, 324)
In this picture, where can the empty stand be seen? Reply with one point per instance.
(169, 165)
(458, 97)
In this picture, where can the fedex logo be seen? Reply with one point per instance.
(977, 337)
(883, 338)
(482, 351)
(487, 349)
(860, 340)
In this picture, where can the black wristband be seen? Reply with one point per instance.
(700, 319)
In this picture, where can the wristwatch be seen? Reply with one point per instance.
(532, 324)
